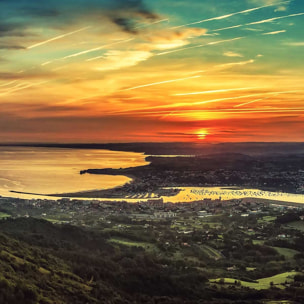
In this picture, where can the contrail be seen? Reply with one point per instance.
(46, 63)
(148, 24)
(275, 18)
(271, 95)
(227, 28)
(95, 58)
(161, 82)
(240, 97)
(249, 102)
(234, 111)
(185, 104)
(95, 49)
(18, 85)
(201, 45)
(22, 88)
(214, 91)
(247, 111)
(274, 33)
(8, 83)
(230, 15)
(276, 110)
(86, 51)
(234, 63)
(58, 37)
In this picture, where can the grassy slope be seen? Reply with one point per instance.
(264, 283)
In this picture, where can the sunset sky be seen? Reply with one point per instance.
(151, 70)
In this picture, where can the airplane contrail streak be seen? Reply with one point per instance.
(230, 15)
(197, 46)
(185, 104)
(227, 28)
(247, 111)
(274, 33)
(57, 37)
(271, 95)
(22, 88)
(86, 52)
(275, 18)
(249, 102)
(18, 85)
(8, 83)
(95, 49)
(234, 63)
(148, 24)
(161, 82)
(95, 58)
(167, 113)
(214, 91)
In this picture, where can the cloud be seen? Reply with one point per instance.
(115, 60)
(232, 54)
(275, 33)
(171, 35)
(297, 43)
(275, 18)
(11, 29)
(282, 6)
(11, 47)
(200, 45)
(124, 13)
(266, 2)
(168, 38)
(281, 9)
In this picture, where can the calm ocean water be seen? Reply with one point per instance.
(52, 170)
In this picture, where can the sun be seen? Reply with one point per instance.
(202, 133)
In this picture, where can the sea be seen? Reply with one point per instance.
(55, 171)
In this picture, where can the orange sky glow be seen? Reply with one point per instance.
(152, 71)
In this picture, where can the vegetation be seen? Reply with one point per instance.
(111, 256)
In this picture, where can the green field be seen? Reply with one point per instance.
(299, 225)
(211, 252)
(279, 302)
(258, 242)
(264, 283)
(4, 215)
(286, 252)
(267, 219)
(130, 243)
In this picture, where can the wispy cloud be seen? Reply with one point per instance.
(228, 28)
(297, 43)
(200, 45)
(275, 32)
(115, 60)
(281, 9)
(21, 87)
(260, 99)
(160, 82)
(167, 38)
(215, 91)
(275, 18)
(231, 64)
(11, 47)
(230, 15)
(232, 54)
(57, 37)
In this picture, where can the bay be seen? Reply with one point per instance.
(55, 170)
